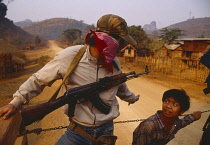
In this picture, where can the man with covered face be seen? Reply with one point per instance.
(98, 61)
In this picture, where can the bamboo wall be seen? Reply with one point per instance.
(188, 69)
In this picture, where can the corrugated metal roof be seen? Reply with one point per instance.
(172, 46)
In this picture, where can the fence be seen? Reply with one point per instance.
(183, 68)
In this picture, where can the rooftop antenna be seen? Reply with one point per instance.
(190, 13)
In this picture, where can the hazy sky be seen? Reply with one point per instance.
(135, 12)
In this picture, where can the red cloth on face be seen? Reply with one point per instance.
(106, 46)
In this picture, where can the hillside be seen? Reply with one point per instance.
(51, 29)
(13, 34)
(17, 36)
(23, 23)
(194, 27)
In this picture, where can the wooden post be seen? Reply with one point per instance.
(10, 129)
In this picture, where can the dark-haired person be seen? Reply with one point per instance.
(98, 61)
(161, 127)
(205, 60)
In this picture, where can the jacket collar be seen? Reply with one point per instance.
(90, 57)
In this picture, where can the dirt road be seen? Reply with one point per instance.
(151, 90)
(150, 101)
(49, 51)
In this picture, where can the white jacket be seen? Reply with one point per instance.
(86, 72)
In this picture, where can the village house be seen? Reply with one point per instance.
(194, 47)
(129, 53)
(172, 50)
(187, 48)
(145, 52)
(28, 47)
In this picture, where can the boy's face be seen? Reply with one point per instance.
(171, 107)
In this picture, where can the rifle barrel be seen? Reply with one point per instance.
(137, 75)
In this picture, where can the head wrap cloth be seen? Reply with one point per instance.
(106, 45)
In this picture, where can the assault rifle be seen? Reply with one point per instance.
(206, 133)
(87, 92)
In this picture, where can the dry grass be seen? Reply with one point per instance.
(9, 86)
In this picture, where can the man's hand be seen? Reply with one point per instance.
(7, 111)
(197, 114)
(137, 98)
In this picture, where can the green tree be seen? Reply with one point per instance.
(78, 41)
(202, 35)
(168, 35)
(87, 29)
(37, 40)
(156, 45)
(155, 35)
(3, 9)
(70, 35)
(140, 36)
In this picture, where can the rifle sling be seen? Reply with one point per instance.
(81, 132)
(72, 66)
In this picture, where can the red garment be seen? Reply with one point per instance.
(106, 46)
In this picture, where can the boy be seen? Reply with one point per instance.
(160, 128)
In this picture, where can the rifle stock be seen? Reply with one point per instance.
(88, 92)
(38, 112)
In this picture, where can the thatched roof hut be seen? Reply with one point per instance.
(129, 51)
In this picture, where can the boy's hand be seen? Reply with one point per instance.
(197, 114)
(7, 111)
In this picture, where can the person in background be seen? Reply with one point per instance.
(98, 61)
(205, 60)
(161, 127)
(206, 133)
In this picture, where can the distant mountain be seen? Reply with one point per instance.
(51, 29)
(14, 34)
(150, 27)
(23, 23)
(193, 28)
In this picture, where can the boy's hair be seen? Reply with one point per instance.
(180, 96)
